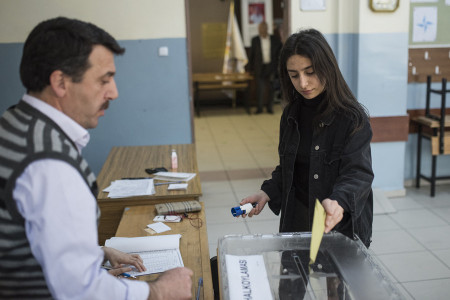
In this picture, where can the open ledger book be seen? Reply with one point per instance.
(159, 253)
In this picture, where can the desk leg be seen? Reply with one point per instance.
(433, 175)
(246, 98)
(196, 99)
(419, 154)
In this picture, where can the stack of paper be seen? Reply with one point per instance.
(174, 176)
(129, 188)
(159, 253)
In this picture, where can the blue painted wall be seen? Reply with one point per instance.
(374, 64)
(153, 107)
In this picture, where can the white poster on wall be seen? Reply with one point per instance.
(254, 12)
(425, 24)
(311, 5)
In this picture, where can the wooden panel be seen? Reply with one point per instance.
(436, 57)
(435, 144)
(194, 245)
(414, 113)
(389, 129)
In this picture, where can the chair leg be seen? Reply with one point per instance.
(419, 154)
(433, 175)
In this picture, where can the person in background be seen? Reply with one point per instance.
(263, 61)
(324, 146)
(48, 209)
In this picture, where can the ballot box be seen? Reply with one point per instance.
(277, 266)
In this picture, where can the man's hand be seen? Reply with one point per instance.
(260, 198)
(334, 211)
(173, 284)
(118, 259)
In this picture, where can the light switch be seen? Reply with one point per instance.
(163, 51)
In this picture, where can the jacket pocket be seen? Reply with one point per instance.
(332, 162)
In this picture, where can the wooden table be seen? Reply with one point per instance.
(131, 162)
(220, 81)
(193, 243)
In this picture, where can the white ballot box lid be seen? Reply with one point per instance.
(277, 266)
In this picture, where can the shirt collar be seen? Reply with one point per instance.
(79, 135)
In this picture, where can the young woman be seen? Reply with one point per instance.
(324, 146)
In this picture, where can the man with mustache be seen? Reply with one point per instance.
(48, 208)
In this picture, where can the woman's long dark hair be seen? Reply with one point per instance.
(338, 97)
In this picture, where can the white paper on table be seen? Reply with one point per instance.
(159, 227)
(247, 277)
(130, 187)
(177, 186)
(159, 253)
(174, 176)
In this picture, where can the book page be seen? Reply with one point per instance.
(159, 253)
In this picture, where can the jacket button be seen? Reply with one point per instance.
(317, 147)
(321, 124)
(316, 176)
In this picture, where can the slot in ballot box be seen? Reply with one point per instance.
(277, 266)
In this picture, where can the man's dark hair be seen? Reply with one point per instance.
(61, 44)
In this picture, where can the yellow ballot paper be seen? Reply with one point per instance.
(318, 227)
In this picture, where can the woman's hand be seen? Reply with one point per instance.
(118, 259)
(334, 211)
(260, 198)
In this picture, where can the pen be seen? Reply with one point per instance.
(162, 183)
(123, 274)
(200, 283)
(127, 275)
(133, 178)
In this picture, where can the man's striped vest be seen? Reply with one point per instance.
(27, 135)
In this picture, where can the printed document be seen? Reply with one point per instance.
(159, 253)
(247, 277)
(174, 176)
(130, 187)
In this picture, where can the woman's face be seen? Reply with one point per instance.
(303, 76)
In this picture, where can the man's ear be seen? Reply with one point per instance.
(58, 83)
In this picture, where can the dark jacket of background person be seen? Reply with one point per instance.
(340, 169)
(255, 64)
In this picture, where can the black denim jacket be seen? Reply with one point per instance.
(340, 169)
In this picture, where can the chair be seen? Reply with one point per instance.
(435, 130)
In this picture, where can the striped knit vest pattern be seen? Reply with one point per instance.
(27, 135)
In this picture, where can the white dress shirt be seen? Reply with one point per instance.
(265, 49)
(60, 222)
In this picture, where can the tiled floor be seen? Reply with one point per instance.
(236, 152)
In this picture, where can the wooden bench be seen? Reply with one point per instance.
(218, 81)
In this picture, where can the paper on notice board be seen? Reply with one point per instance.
(318, 228)
(425, 24)
(312, 5)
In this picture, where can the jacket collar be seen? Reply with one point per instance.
(292, 113)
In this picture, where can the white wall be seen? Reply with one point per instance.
(125, 20)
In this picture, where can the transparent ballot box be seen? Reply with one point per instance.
(277, 266)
